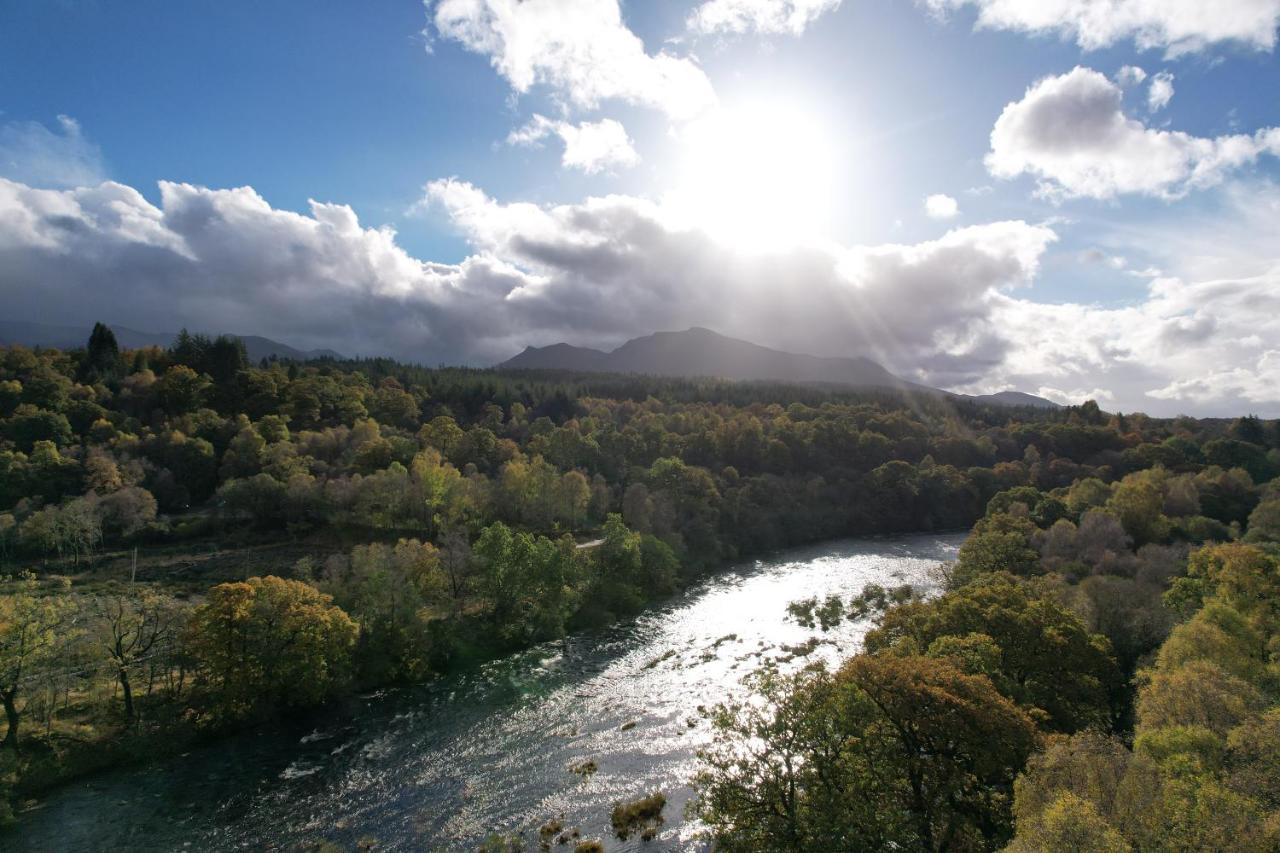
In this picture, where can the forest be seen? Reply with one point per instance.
(192, 543)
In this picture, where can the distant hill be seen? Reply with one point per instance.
(560, 357)
(1016, 398)
(702, 352)
(70, 337)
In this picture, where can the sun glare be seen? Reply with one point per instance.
(760, 174)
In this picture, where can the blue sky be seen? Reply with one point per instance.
(1090, 254)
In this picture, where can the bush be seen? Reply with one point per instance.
(644, 814)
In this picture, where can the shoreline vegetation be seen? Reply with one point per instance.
(306, 531)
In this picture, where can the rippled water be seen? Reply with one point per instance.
(442, 765)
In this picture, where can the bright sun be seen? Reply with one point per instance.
(760, 174)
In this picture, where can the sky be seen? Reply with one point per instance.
(1073, 198)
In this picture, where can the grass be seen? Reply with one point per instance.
(643, 815)
(584, 768)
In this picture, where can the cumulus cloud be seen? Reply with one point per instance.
(1177, 26)
(940, 206)
(1160, 93)
(597, 272)
(956, 312)
(1071, 133)
(1075, 396)
(579, 49)
(1188, 346)
(1130, 75)
(613, 267)
(592, 146)
(35, 155)
(767, 17)
(1257, 382)
(1198, 339)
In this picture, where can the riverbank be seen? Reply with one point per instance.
(93, 744)
(490, 749)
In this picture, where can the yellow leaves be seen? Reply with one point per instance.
(269, 641)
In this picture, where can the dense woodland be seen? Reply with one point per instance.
(1102, 664)
(1100, 673)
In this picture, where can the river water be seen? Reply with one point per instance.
(440, 766)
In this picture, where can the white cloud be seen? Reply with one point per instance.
(1130, 75)
(1097, 256)
(768, 17)
(1160, 92)
(580, 49)
(597, 272)
(35, 155)
(1071, 133)
(955, 312)
(940, 206)
(1258, 382)
(1187, 346)
(610, 268)
(1075, 396)
(1177, 26)
(592, 146)
(1199, 340)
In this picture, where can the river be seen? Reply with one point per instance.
(441, 765)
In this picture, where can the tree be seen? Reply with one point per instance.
(573, 492)
(127, 511)
(73, 529)
(1049, 663)
(457, 563)
(269, 642)
(438, 485)
(1264, 522)
(390, 589)
(1253, 758)
(528, 581)
(1243, 576)
(102, 355)
(889, 752)
(244, 455)
(1138, 503)
(260, 498)
(391, 405)
(1197, 693)
(1083, 792)
(1069, 823)
(442, 433)
(34, 624)
(132, 624)
(631, 568)
(28, 426)
(181, 390)
(101, 473)
(998, 543)
(1086, 494)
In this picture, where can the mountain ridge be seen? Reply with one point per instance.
(32, 334)
(699, 351)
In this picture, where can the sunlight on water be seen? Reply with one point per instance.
(441, 766)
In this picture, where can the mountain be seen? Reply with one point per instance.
(1016, 398)
(70, 337)
(559, 357)
(702, 352)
